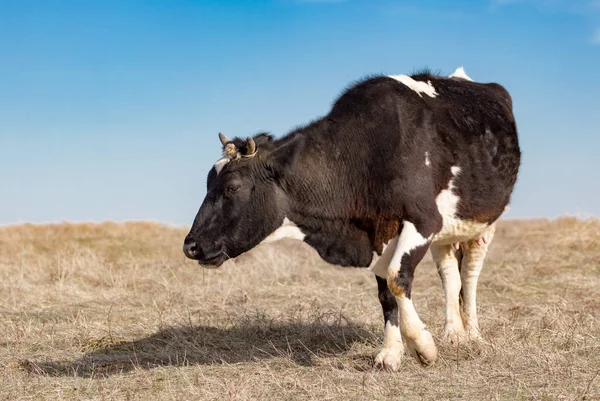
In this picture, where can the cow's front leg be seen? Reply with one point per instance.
(412, 245)
(390, 356)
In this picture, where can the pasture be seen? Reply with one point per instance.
(115, 311)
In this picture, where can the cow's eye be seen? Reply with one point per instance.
(233, 188)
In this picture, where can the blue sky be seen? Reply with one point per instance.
(111, 109)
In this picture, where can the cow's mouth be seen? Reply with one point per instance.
(213, 262)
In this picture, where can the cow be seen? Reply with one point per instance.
(400, 165)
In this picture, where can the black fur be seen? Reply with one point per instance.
(389, 305)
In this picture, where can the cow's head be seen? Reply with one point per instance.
(245, 201)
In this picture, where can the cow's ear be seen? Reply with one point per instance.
(285, 155)
(263, 139)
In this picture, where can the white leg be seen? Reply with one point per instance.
(447, 266)
(409, 251)
(391, 355)
(419, 340)
(471, 266)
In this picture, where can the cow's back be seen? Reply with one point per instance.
(393, 141)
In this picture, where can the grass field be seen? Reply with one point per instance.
(115, 311)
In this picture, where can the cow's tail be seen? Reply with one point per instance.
(459, 257)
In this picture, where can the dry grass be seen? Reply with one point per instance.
(114, 311)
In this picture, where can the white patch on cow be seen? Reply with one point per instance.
(220, 164)
(391, 336)
(454, 229)
(409, 239)
(427, 161)
(288, 229)
(417, 86)
(411, 323)
(379, 264)
(391, 354)
(460, 73)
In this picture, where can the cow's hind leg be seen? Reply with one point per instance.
(446, 261)
(471, 265)
(413, 243)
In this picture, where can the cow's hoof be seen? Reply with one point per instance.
(389, 359)
(454, 335)
(423, 348)
(474, 335)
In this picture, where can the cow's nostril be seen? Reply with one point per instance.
(190, 249)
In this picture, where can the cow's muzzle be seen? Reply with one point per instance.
(193, 250)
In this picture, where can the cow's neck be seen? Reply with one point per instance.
(317, 183)
(318, 205)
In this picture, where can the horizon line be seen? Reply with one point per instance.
(578, 216)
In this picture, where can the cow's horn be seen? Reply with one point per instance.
(223, 138)
(251, 147)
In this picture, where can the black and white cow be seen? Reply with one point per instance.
(401, 164)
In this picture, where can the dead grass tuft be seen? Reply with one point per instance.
(114, 311)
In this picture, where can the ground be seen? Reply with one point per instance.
(115, 311)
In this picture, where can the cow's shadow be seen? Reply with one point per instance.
(300, 342)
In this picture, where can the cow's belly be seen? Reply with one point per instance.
(456, 230)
